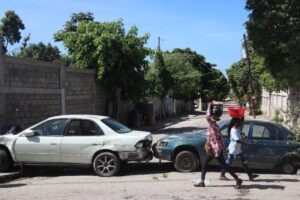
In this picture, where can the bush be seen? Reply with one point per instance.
(277, 118)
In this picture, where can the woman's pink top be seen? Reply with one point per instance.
(213, 135)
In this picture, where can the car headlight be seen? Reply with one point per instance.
(143, 144)
(149, 137)
(162, 143)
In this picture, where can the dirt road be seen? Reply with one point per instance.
(146, 181)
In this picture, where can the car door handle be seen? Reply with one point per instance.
(53, 143)
(95, 144)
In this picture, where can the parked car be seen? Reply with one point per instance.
(76, 139)
(270, 147)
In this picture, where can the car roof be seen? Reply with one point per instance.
(79, 116)
(256, 122)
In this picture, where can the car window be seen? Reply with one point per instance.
(80, 127)
(54, 127)
(116, 126)
(223, 128)
(224, 131)
(264, 132)
(245, 130)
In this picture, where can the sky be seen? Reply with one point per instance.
(212, 28)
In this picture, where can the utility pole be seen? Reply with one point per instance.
(248, 62)
(158, 44)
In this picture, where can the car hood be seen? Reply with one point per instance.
(185, 136)
(140, 134)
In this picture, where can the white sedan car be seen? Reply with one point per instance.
(76, 139)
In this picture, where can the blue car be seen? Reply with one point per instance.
(271, 147)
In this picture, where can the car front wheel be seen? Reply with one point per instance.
(186, 161)
(5, 162)
(106, 164)
(288, 168)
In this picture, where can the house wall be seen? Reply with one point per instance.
(287, 103)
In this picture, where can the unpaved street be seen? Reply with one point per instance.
(147, 180)
(150, 181)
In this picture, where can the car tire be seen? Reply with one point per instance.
(106, 164)
(5, 162)
(288, 168)
(186, 161)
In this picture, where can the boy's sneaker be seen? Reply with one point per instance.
(253, 176)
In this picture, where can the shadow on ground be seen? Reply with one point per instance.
(163, 123)
(127, 170)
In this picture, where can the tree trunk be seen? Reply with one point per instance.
(116, 102)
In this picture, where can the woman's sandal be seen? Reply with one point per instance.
(238, 183)
(201, 184)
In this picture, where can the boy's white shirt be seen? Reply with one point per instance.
(234, 147)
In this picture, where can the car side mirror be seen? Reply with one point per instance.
(29, 133)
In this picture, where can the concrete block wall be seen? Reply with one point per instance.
(271, 102)
(100, 104)
(31, 91)
(286, 102)
(80, 91)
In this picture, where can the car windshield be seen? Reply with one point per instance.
(116, 126)
(223, 124)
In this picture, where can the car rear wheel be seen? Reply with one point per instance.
(106, 164)
(186, 161)
(5, 162)
(288, 168)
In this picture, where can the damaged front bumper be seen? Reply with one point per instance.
(143, 152)
(160, 153)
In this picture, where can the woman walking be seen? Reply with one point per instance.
(214, 148)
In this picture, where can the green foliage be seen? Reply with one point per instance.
(238, 75)
(187, 75)
(296, 131)
(40, 51)
(218, 86)
(10, 27)
(119, 57)
(238, 80)
(158, 77)
(277, 117)
(274, 29)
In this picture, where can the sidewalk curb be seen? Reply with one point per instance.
(5, 177)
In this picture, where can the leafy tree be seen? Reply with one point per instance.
(158, 77)
(118, 56)
(192, 77)
(40, 51)
(238, 80)
(238, 75)
(10, 27)
(274, 29)
(217, 86)
(25, 42)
